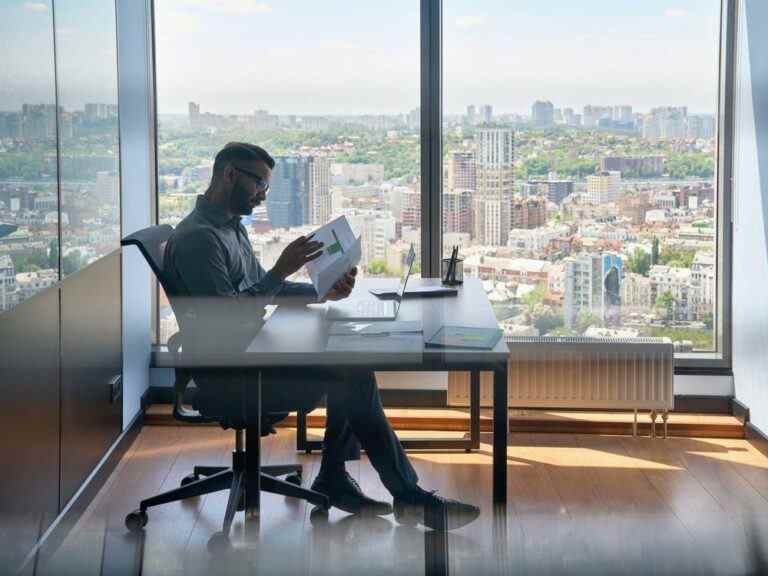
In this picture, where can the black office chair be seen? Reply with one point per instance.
(206, 479)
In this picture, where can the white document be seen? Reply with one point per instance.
(341, 252)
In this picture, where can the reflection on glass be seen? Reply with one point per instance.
(330, 89)
(29, 244)
(90, 179)
(579, 160)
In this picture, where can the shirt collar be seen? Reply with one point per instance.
(214, 214)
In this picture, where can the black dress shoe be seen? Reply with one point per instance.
(433, 511)
(345, 493)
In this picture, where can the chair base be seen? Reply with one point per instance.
(208, 479)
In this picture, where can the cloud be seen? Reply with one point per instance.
(675, 12)
(469, 21)
(36, 6)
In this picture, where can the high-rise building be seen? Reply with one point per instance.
(376, 231)
(457, 199)
(593, 286)
(569, 118)
(703, 293)
(471, 114)
(457, 211)
(495, 185)
(288, 199)
(95, 111)
(194, 113)
(666, 123)
(462, 171)
(634, 166)
(107, 186)
(701, 126)
(319, 190)
(623, 114)
(542, 113)
(528, 213)
(593, 114)
(554, 189)
(603, 187)
(414, 118)
(486, 113)
(411, 207)
(7, 283)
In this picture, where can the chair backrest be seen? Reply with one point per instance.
(151, 243)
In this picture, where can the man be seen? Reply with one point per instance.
(209, 257)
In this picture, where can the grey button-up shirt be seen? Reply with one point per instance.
(210, 265)
(209, 254)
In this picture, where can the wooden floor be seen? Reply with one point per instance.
(578, 504)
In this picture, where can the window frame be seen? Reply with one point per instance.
(431, 99)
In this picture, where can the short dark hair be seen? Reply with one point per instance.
(241, 151)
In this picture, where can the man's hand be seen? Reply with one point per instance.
(343, 287)
(296, 254)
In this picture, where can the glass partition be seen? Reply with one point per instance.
(29, 236)
(86, 58)
(330, 89)
(580, 160)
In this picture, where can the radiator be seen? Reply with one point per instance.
(583, 373)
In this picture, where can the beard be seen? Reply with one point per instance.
(240, 199)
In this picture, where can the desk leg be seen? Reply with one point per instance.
(500, 432)
(253, 455)
(474, 409)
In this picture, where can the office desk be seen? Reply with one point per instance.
(298, 336)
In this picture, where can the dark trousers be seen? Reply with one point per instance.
(355, 415)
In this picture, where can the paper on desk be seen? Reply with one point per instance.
(409, 344)
(354, 328)
(341, 251)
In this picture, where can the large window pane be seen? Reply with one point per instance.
(580, 159)
(29, 244)
(86, 54)
(330, 89)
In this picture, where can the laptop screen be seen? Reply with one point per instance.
(406, 274)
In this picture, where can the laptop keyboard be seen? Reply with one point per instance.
(371, 307)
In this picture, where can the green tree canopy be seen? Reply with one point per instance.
(640, 262)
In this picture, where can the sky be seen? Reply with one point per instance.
(353, 57)
(86, 51)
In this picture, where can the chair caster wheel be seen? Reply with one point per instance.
(218, 544)
(294, 479)
(136, 520)
(189, 478)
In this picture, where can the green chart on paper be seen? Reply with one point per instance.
(336, 246)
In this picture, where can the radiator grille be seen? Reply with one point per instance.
(564, 372)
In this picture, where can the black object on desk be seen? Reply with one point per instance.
(450, 276)
(416, 292)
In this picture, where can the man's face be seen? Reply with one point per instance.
(250, 182)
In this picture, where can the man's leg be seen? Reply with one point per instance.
(358, 398)
(356, 406)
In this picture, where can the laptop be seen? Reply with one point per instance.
(373, 308)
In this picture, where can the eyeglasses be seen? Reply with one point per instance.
(261, 184)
